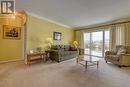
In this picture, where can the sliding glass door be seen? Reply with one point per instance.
(87, 42)
(96, 43)
(106, 41)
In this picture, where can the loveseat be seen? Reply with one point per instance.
(62, 52)
(120, 55)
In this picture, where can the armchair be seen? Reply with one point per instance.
(120, 55)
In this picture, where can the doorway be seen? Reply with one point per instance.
(96, 43)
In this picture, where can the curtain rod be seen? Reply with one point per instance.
(104, 25)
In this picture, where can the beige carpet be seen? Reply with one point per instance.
(64, 74)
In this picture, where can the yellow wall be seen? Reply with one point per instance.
(38, 30)
(9, 49)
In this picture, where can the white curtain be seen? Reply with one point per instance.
(119, 34)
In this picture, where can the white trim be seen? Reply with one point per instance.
(40, 17)
(11, 61)
(104, 23)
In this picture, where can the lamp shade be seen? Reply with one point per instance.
(75, 43)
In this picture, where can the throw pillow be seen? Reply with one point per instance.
(121, 51)
(114, 50)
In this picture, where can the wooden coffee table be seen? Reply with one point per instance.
(86, 61)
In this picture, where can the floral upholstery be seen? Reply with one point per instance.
(118, 55)
(62, 52)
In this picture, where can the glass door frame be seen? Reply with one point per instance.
(103, 45)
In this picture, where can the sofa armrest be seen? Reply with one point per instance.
(125, 60)
(54, 51)
(109, 53)
(54, 55)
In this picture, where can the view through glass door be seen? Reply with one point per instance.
(96, 43)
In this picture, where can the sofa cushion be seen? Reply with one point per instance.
(64, 53)
(119, 47)
(66, 47)
(116, 48)
(59, 47)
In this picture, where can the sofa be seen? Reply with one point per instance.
(119, 55)
(62, 52)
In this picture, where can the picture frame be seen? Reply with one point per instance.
(11, 32)
(57, 36)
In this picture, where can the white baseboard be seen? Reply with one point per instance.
(11, 61)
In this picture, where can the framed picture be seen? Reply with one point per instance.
(11, 32)
(57, 36)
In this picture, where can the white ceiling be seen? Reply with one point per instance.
(77, 13)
